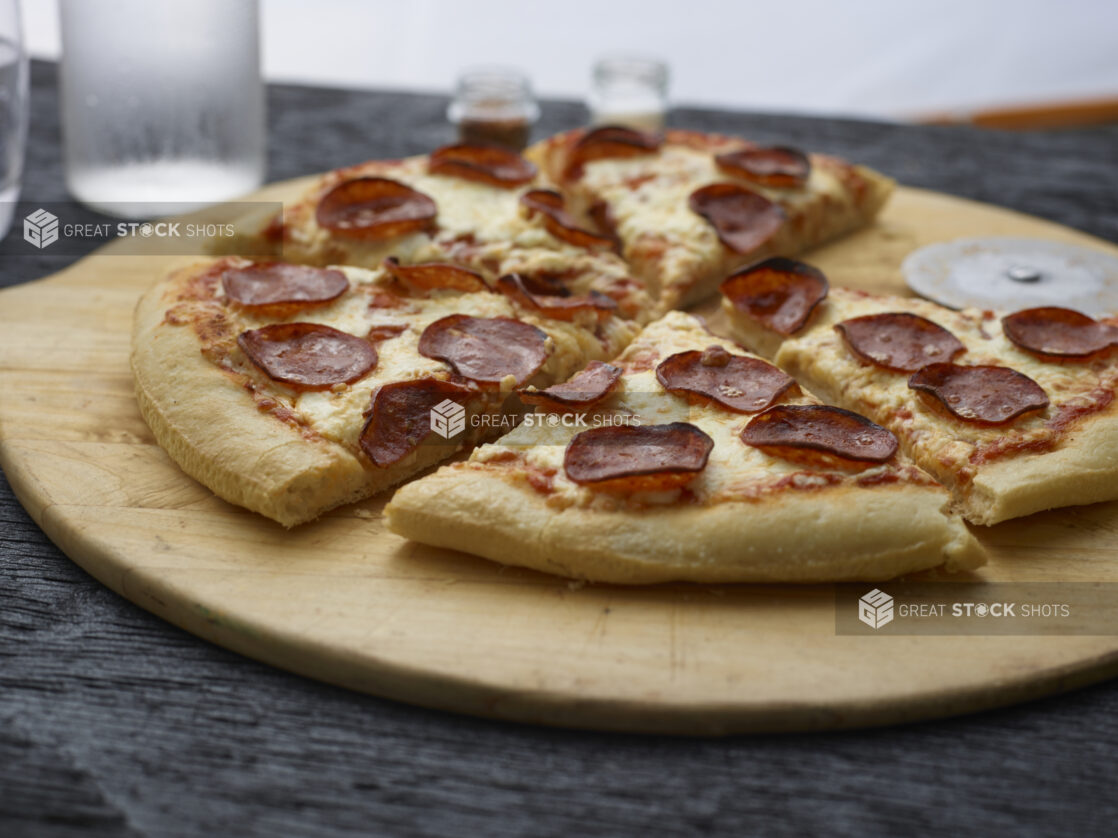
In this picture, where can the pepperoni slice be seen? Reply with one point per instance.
(780, 166)
(899, 341)
(819, 434)
(738, 383)
(584, 390)
(553, 299)
(778, 293)
(985, 395)
(486, 349)
(308, 356)
(400, 417)
(431, 276)
(600, 214)
(482, 163)
(375, 208)
(742, 219)
(637, 457)
(276, 285)
(609, 141)
(379, 298)
(1059, 332)
(387, 331)
(558, 221)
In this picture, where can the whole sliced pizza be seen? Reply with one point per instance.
(520, 310)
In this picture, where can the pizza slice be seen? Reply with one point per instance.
(1013, 414)
(689, 459)
(291, 389)
(482, 208)
(688, 208)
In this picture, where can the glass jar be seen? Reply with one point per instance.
(494, 106)
(629, 91)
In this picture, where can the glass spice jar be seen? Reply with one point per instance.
(629, 91)
(494, 106)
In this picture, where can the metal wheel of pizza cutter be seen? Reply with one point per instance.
(1009, 274)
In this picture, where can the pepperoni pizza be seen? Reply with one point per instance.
(291, 389)
(688, 458)
(1013, 414)
(688, 208)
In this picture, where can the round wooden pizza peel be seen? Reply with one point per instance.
(345, 601)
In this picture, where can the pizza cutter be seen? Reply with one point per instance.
(1007, 274)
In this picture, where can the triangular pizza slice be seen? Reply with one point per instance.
(688, 208)
(1014, 414)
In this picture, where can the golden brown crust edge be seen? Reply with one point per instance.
(209, 425)
(490, 516)
(1084, 469)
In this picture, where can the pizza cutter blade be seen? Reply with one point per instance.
(1008, 274)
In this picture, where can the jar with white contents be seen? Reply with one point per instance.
(629, 91)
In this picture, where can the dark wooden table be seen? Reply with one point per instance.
(115, 723)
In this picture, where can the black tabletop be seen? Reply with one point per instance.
(113, 722)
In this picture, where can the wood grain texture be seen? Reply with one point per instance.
(345, 601)
(113, 722)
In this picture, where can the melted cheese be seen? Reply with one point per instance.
(484, 212)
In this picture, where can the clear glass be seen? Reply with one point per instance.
(494, 105)
(630, 91)
(162, 102)
(13, 110)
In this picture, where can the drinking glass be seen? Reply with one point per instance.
(162, 103)
(13, 110)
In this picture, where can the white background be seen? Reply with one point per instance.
(885, 58)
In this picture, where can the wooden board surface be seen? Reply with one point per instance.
(345, 601)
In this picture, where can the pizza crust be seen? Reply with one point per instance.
(1084, 469)
(844, 533)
